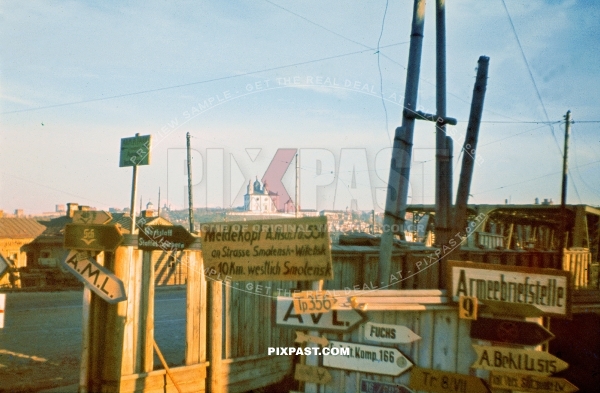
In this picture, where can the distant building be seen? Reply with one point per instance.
(15, 235)
(259, 199)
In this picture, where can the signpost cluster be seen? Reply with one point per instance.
(512, 292)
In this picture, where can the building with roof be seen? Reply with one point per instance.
(15, 234)
(259, 199)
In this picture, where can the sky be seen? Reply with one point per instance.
(248, 79)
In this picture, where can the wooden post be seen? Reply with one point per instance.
(313, 360)
(563, 196)
(397, 192)
(85, 346)
(215, 333)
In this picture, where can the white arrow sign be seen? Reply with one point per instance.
(96, 277)
(394, 334)
(335, 320)
(368, 359)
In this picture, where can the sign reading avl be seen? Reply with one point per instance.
(368, 359)
(164, 237)
(546, 289)
(340, 321)
(135, 151)
(95, 276)
(286, 249)
(92, 237)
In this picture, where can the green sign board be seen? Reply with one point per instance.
(92, 237)
(164, 237)
(135, 151)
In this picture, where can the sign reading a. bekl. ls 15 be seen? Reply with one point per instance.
(95, 276)
(368, 359)
(546, 289)
(286, 249)
(92, 237)
(164, 237)
(517, 360)
(135, 151)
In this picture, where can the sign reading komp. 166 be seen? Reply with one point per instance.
(286, 249)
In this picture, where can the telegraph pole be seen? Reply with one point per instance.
(189, 170)
(563, 195)
(297, 186)
(397, 192)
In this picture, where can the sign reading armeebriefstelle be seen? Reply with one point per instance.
(286, 249)
(548, 290)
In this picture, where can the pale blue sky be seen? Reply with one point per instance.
(93, 74)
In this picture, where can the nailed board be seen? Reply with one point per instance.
(286, 249)
(548, 290)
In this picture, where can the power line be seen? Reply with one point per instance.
(387, 127)
(537, 91)
(199, 82)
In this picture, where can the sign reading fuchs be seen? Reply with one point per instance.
(368, 359)
(341, 321)
(530, 383)
(445, 382)
(92, 237)
(164, 237)
(135, 151)
(546, 289)
(393, 334)
(95, 276)
(287, 249)
(522, 361)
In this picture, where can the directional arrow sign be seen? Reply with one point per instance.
(91, 217)
(530, 383)
(367, 359)
(312, 374)
(515, 309)
(368, 386)
(95, 276)
(3, 265)
(511, 332)
(443, 382)
(92, 237)
(306, 338)
(394, 334)
(164, 237)
(517, 360)
(335, 320)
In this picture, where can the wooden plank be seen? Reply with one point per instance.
(215, 332)
(426, 344)
(190, 378)
(227, 321)
(202, 308)
(445, 342)
(85, 346)
(191, 346)
(464, 355)
(147, 312)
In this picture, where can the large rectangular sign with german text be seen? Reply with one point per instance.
(545, 289)
(282, 249)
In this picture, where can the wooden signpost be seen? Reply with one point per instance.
(548, 290)
(306, 338)
(517, 360)
(368, 386)
(341, 321)
(530, 383)
(295, 249)
(437, 381)
(312, 374)
(393, 334)
(512, 332)
(368, 359)
(95, 276)
(92, 237)
(164, 237)
(91, 217)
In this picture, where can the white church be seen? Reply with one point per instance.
(259, 199)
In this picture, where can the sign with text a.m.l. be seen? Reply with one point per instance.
(295, 249)
(135, 151)
(546, 290)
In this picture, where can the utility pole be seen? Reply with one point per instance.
(189, 170)
(470, 146)
(563, 195)
(397, 192)
(158, 210)
(443, 184)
